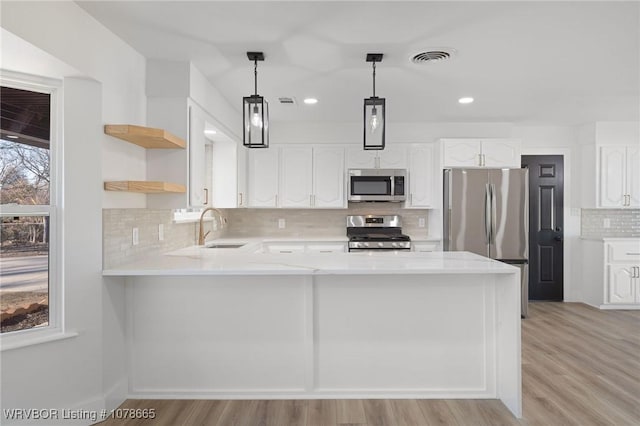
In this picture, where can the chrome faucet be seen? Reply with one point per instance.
(201, 234)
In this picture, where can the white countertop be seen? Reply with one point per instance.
(198, 260)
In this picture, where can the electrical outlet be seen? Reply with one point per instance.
(135, 237)
(421, 222)
(281, 224)
(606, 223)
(160, 232)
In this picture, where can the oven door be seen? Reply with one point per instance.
(370, 188)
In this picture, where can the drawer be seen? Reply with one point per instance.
(623, 251)
(326, 248)
(284, 248)
(421, 247)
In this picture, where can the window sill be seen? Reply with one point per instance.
(8, 343)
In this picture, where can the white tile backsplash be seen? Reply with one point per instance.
(613, 223)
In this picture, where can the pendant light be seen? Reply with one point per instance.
(374, 112)
(255, 112)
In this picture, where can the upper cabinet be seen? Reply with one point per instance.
(295, 176)
(619, 178)
(392, 157)
(262, 177)
(421, 176)
(481, 153)
(311, 177)
(199, 185)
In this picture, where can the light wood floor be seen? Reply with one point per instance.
(580, 366)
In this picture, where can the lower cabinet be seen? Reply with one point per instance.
(303, 247)
(622, 285)
(611, 273)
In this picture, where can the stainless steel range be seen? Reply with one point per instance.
(372, 232)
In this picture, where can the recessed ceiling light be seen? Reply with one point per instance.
(210, 132)
(310, 101)
(465, 100)
(12, 136)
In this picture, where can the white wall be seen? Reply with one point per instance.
(87, 371)
(68, 33)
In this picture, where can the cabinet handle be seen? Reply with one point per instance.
(484, 160)
(240, 196)
(314, 200)
(206, 196)
(411, 199)
(276, 200)
(310, 200)
(480, 160)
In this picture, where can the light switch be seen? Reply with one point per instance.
(281, 223)
(421, 222)
(160, 232)
(135, 237)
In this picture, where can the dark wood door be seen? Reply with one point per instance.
(546, 227)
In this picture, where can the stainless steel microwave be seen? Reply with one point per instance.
(377, 185)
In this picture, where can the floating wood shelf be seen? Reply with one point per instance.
(146, 137)
(144, 186)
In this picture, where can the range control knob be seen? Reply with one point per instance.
(394, 244)
(366, 244)
(380, 244)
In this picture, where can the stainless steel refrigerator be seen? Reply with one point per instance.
(486, 211)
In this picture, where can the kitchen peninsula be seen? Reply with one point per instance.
(241, 323)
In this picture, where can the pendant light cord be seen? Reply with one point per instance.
(255, 76)
(374, 79)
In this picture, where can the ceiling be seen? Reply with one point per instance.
(562, 63)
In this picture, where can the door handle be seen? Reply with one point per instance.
(487, 213)
(557, 238)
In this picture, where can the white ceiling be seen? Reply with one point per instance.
(524, 62)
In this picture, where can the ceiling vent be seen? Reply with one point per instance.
(432, 56)
(287, 101)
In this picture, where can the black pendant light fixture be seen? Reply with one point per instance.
(255, 112)
(374, 111)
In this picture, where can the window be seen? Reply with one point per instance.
(29, 296)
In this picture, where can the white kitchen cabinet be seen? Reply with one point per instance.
(296, 177)
(392, 157)
(611, 273)
(421, 176)
(619, 177)
(263, 165)
(481, 153)
(241, 162)
(199, 186)
(312, 177)
(425, 246)
(328, 177)
(622, 284)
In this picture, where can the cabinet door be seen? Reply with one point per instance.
(328, 177)
(501, 153)
(358, 158)
(263, 177)
(633, 175)
(612, 175)
(242, 176)
(461, 153)
(296, 177)
(392, 157)
(621, 285)
(198, 190)
(421, 182)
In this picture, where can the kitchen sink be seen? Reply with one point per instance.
(226, 246)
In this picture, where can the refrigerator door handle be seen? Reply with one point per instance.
(493, 213)
(487, 213)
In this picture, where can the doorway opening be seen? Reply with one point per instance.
(546, 226)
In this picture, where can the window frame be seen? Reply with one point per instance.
(56, 327)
